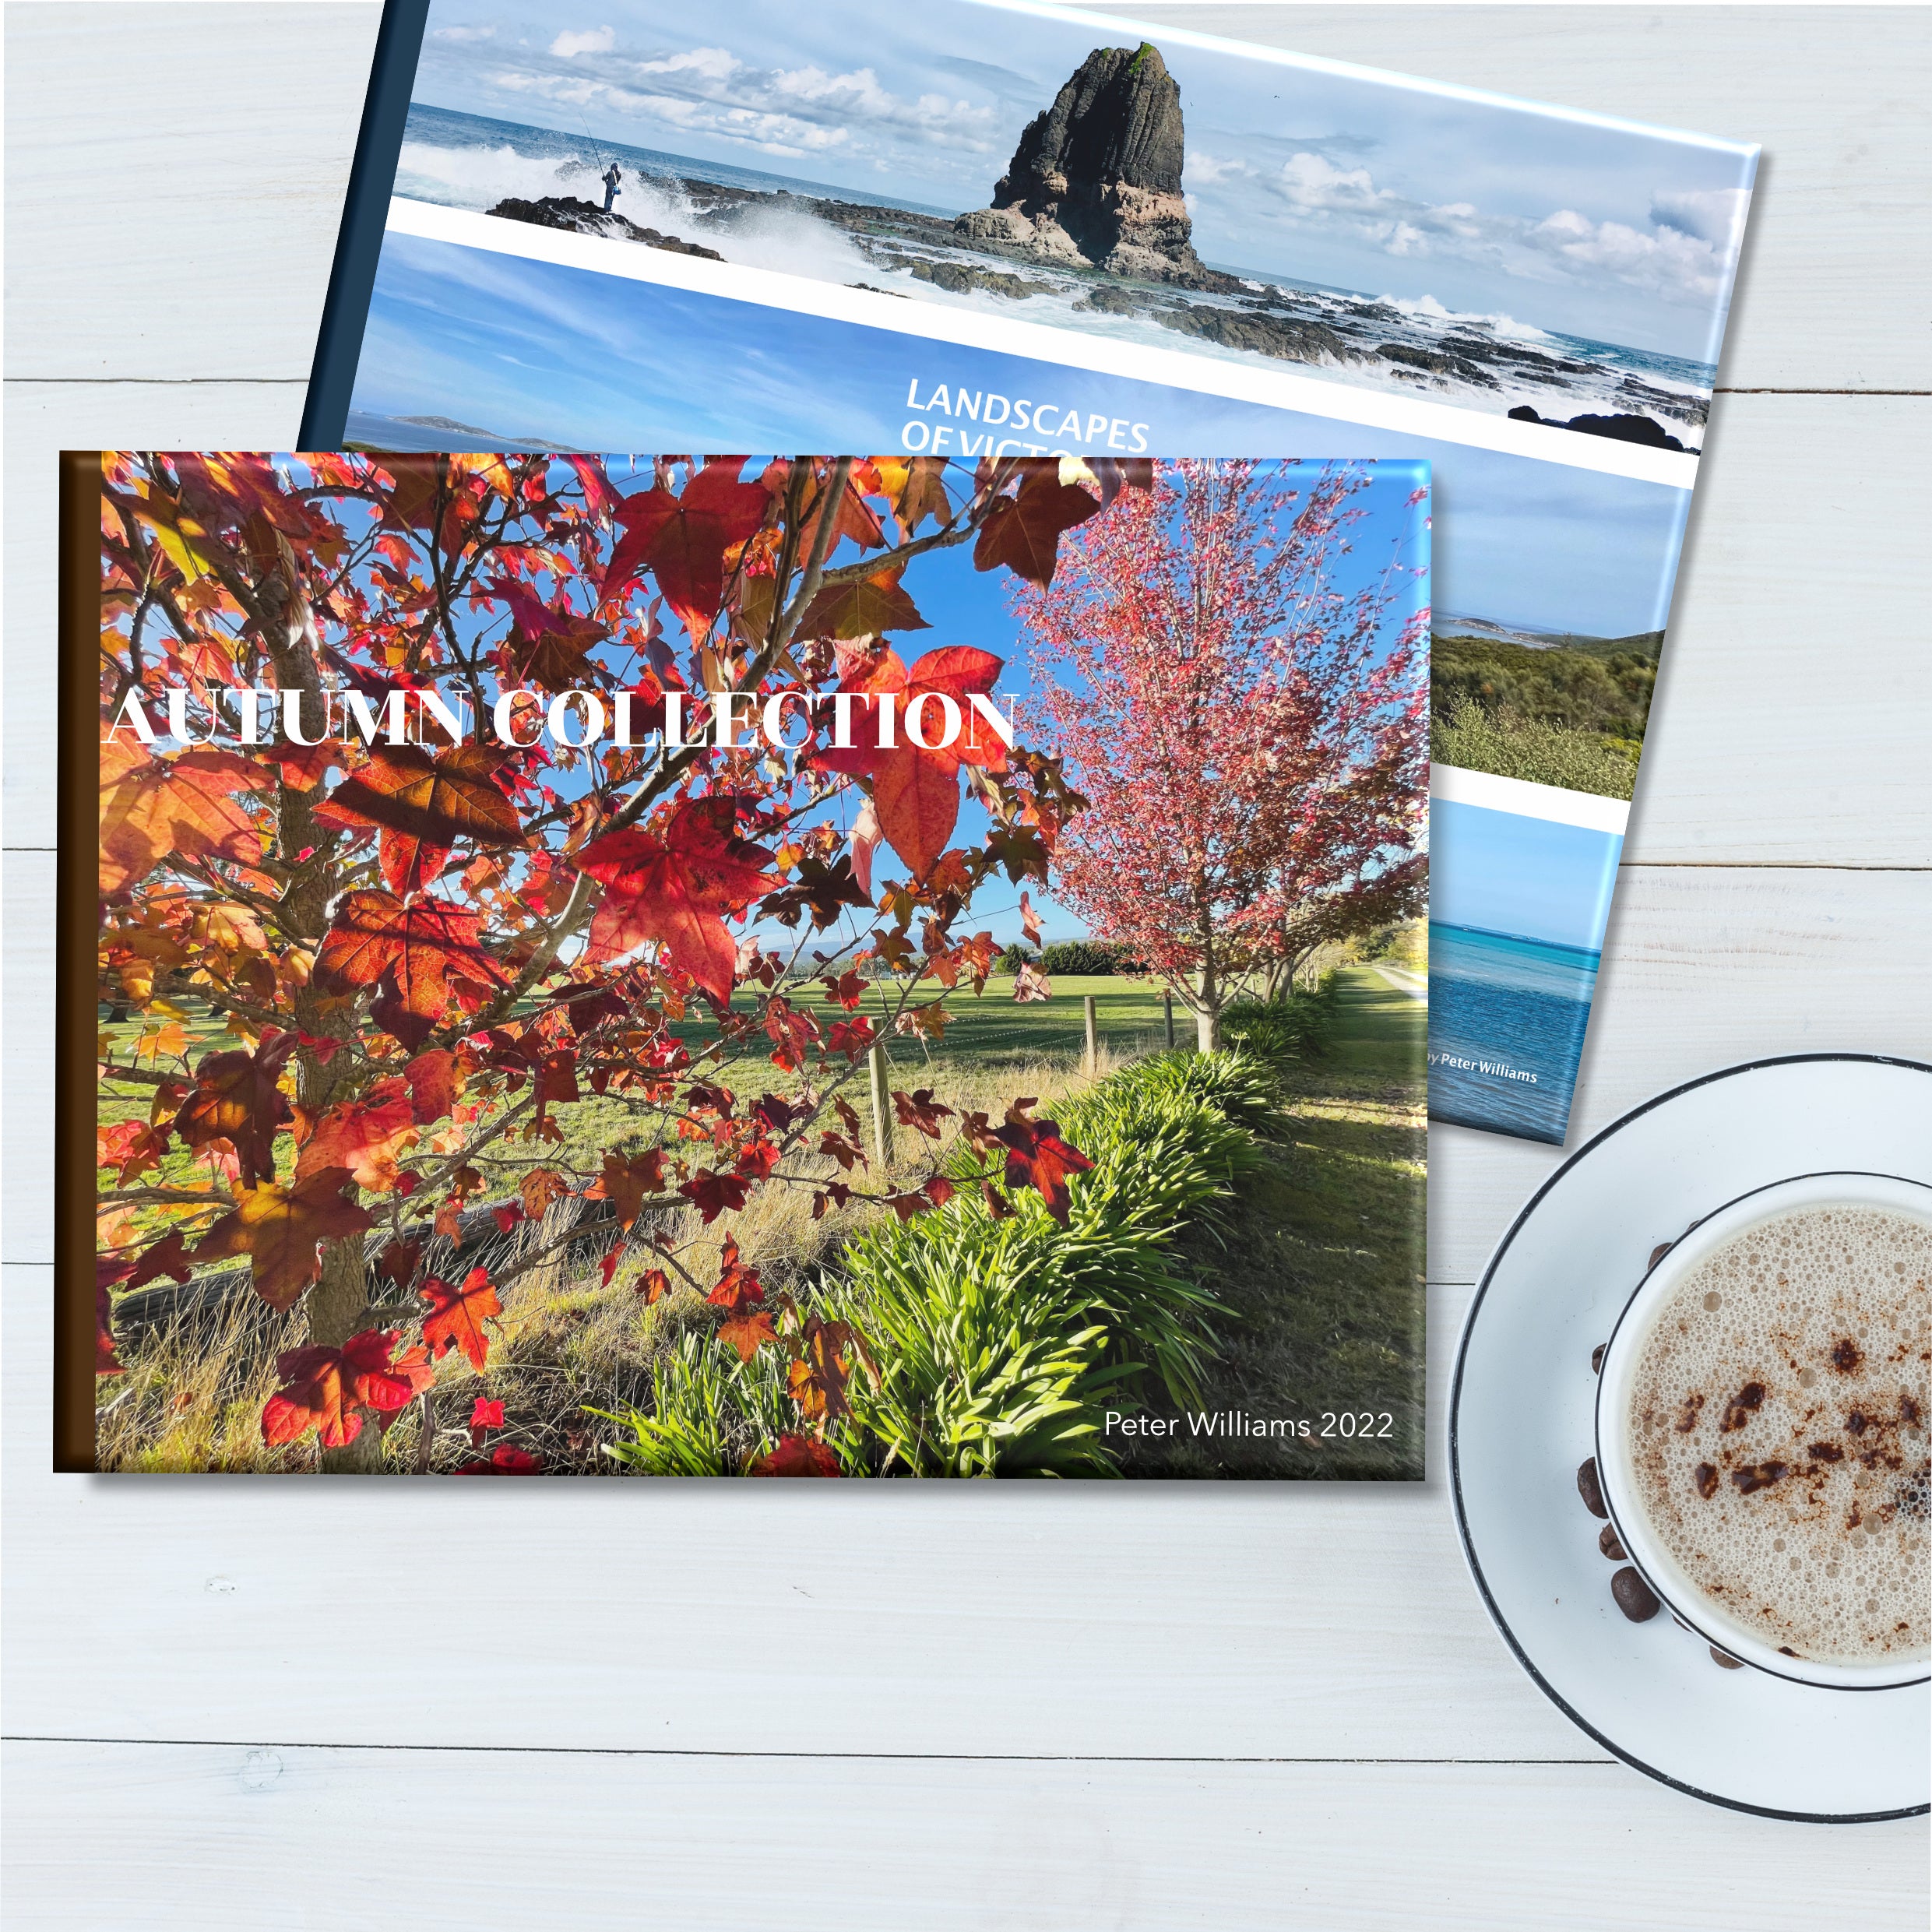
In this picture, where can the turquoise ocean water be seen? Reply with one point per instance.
(1507, 1018)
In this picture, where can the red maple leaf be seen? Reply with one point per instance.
(1023, 532)
(920, 1110)
(507, 1459)
(485, 1416)
(675, 883)
(235, 1098)
(628, 1178)
(364, 1136)
(425, 804)
(431, 948)
(327, 1389)
(168, 1256)
(154, 809)
(738, 1286)
(456, 1315)
(797, 1456)
(130, 1148)
(550, 645)
(713, 1193)
(746, 1330)
(683, 539)
(434, 1083)
(915, 790)
(280, 1230)
(1037, 1157)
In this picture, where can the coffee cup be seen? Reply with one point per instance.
(1761, 1429)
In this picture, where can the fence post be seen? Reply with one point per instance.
(881, 1112)
(1167, 999)
(1093, 1040)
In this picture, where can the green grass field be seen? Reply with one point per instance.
(1319, 1262)
(1323, 1264)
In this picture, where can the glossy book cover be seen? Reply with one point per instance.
(980, 227)
(808, 966)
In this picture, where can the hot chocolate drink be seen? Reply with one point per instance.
(1777, 1432)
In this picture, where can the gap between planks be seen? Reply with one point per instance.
(836, 1757)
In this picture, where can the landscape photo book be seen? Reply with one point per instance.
(762, 966)
(977, 228)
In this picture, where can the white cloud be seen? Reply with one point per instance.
(708, 63)
(1204, 170)
(597, 39)
(1682, 253)
(463, 33)
(1312, 181)
(1715, 215)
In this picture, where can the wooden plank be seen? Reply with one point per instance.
(1793, 709)
(1316, 1620)
(43, 419)
(1794, 706)
(1831, 294)
(1704, 967)
(1000, 1619)
(175, 182)
(1830, 297)
(705, 1844)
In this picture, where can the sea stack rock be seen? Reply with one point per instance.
(1095, 179)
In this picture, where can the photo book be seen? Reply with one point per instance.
(975, 229)
(892, 965)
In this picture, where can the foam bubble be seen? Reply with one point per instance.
(1778, 1423)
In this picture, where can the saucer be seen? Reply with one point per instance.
(1522, 1418)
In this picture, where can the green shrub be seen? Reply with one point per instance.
(1508, 746)
(1010, 962)
(1295, 1026)
(1085, 959)
(711, 1414)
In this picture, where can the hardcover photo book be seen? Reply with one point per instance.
(977, 228)
(892, 966)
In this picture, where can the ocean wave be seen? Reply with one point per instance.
(1427, 308)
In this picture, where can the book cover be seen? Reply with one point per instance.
(977, 227)
(840, 966)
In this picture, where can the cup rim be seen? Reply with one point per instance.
(1644, 1549)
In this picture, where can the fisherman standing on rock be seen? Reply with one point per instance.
(613, 180)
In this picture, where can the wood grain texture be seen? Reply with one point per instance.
(1094, 1622)
(1836, 279)
(1791, 715)
(1833, 293)
(175, 182)
(741, 1844)
(935, 1618)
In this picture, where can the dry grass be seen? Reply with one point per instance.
(567, 1344)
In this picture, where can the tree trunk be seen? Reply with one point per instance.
(1207, 1028)
(337, 1307)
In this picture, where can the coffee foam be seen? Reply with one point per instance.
(1777, 1431)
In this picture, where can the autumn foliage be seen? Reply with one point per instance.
(441, 788)
(1242, 702)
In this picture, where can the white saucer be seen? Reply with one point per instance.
(1520, 1421)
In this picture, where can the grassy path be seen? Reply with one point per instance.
(1323, 1265)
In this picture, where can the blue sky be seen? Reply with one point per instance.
(1613, 233)
(520, 349)
(1527, 876)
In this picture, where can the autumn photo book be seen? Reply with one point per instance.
(823, 966)
(988, 226)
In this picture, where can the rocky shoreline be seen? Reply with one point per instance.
(1089, 219)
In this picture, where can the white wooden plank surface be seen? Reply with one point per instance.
(1150, 1622)
(1791, 721)
(186, 238)
(307, 1838)
(1342, 1623)
(1837, 278)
